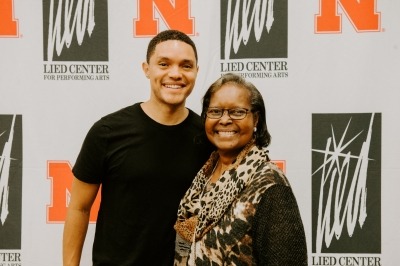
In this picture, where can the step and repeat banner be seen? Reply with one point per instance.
(329, 71)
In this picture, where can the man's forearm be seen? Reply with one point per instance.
(75, 230)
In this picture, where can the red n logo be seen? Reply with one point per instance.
(361, 13)
(281, 164)
(8, 25)
(175, 15)
(61, 175)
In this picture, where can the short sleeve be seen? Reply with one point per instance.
(89, 166)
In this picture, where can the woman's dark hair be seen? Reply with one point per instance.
(262, 136)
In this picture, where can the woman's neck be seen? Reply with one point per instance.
(227, 160)
(222, 164)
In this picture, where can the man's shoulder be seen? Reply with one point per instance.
(123, 112)
(194, 119)
(119, 119)
(120, 115)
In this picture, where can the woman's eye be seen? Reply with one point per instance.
(237, 112)
(214, 112)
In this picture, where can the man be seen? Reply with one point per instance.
(144, 157)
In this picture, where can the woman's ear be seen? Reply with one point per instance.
(256, 116)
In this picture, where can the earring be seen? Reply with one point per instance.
(255, 129)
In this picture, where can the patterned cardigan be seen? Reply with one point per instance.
(262, 226)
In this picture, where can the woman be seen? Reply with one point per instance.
(240, 209)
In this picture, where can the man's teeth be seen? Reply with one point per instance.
(173, 86)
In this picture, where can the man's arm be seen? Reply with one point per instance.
(76, 224)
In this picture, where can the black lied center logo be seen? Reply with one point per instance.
(75, 30)
(259, 31)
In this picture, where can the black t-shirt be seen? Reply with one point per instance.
(144, 168)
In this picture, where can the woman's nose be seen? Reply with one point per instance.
(225, 118)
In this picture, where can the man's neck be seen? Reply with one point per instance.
(165, 114)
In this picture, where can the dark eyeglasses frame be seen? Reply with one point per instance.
(229, 111)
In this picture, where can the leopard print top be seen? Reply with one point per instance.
(222, 217)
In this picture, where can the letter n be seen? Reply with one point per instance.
(361, 13)
(8, 25)
(61, 176)
(281, 164)
(175, 15)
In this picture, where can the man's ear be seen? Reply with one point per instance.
(145, 68)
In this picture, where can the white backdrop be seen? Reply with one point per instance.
(328, 73)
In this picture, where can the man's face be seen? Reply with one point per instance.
(172, 71)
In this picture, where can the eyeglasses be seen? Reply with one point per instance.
(235, 113)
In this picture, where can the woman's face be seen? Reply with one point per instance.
(227, 134)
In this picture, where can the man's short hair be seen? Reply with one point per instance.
(166, 36)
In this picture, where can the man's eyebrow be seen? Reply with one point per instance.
(162, 58)
(165, 58)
